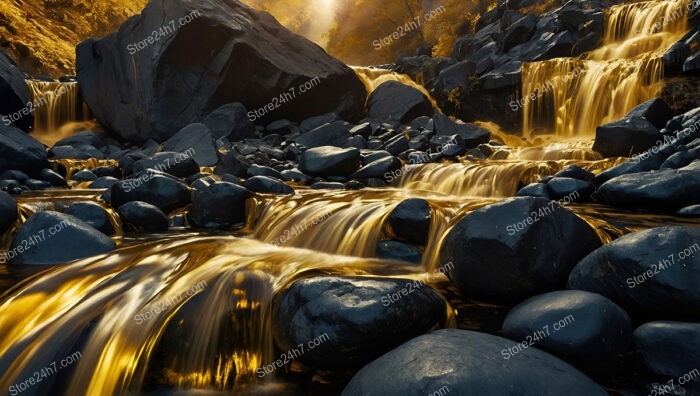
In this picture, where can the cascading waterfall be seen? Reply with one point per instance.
(57, 108)
(574, 96)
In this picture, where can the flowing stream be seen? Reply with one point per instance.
(217, 287)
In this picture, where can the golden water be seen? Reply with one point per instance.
(58, 110)
(574, 96)
(374, 77)
(215, 339)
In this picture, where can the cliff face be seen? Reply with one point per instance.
(41, 35)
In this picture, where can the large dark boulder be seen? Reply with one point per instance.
(670, 348)
(155, 188)
(572, 324)
(461, 362)
(8, 211)
(20, 151)
(666, 189)
(14, 95)
(330, 161)
(220, 206)
(156, 88)
(395, 101)
(56, 238)
(362, 317)
(505, 251)
(644, 273)
(626, 137)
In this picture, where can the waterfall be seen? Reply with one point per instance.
(58, 108)
(573, 96)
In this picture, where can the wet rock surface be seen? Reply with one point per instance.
(467, 362)
(55, 238)
(504, 251)
(362, 317)
(650, 272)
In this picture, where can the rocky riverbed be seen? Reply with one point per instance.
(251, 215)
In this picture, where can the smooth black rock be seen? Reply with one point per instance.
(643, 273)
(397, 250)
(281, 127)
(257, 170)
(20, 151)
(103, 182)
(329, 161)
(319, 120)
(679, 160)
(505, 251)
(196, 139)
(690, 211)
(187, 77)
(378, 168)
(369, 156)
(667, 189)
(176, 164)
(8, 211)
(538, 190)
(670, 348)
(84, 138)
(294, 175)
(219, 207)
(143, 216)
(93, 214)
(269, 185)
(625, 137)
(57, 239)
(67, 152)
(230, 121)
(362, 317)
(461, 362)
(14, 95)
(16, 175)
(202, 183)
(333, 134)
(113, 171)
(83, 176)
(54, 178)
(569, 190)
(654, 110)
(575, 172)
(34, 184)
(410, 220)
(232, 162)
(167, 193)
(571, 324)
(471, 134)
(635, 165)
(393, 100)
